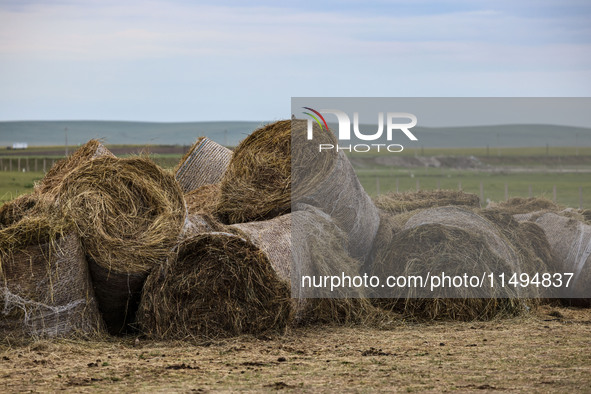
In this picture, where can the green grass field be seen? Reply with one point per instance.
(523, 171)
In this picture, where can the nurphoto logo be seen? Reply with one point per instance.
(344, 130)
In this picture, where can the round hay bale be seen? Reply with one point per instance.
(437, 248)
(278, 160)
(199, 223)
(45, 288)
(570, 242)
(471, 222)
(258, 182)
(50, 184)
(307, 242)
(218, 285)
(422, 199)
(203, 199)
(204, 164)
(129, 214)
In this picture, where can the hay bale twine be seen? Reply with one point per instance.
(218, 285)
(422, 199)
(52, 180)
(570, 242)
(45, 288)
(129, 214)
(204, 164)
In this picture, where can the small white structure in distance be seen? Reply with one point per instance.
(20, 145)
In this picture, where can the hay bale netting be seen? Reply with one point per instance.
(204, 164)
(437, 248)
(570, 242)
(258, 183)
(456, 240)
(45, 288)
(52, 180)
(129, 214)
(422, 199)
(310, 239)
(218, 285)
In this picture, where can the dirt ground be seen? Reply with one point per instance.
(548, 350)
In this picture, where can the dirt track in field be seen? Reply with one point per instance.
(549, 350)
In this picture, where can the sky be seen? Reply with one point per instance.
(178, 61)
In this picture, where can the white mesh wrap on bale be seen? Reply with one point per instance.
(342, 197)
(469, 221)
(205, 164)
(46, 291)
(570, 241)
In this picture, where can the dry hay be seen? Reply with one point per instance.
(439, 248)
(258, 182)
(276, 161)
(45, 288)
(308, 242)
(204, 164)
(50, 184)
(129, 214)
(26, 205)
(570, 242)
(203, 199)
(238, 281)
(520, 205)
(410, 201)
(218, 285)
(456, 240)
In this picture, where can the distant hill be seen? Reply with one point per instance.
(44, 133)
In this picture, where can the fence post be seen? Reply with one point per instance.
(36, 168)
(554, 193)
(10, 164)
(481, 193)
(377, 186)
(439, 184)
(418, 188)
(460, 186)
(396, 185)
(580, 197)
(506, 192)
(529, 191)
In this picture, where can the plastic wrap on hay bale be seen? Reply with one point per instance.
(218, 285)
(203, 199)
(422, 199)
(570, 242)
(59, 172)
(199, 223)
(45, 288)
(258, 183)
(458, 241)
(129, 214)
(204, 164)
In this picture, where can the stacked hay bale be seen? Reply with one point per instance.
(45, 288)
(458, 241)
(276, 167)
(238, 281)
(129, 215)
(204, 164)
(51, 182)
